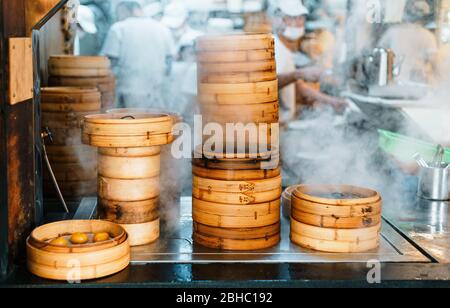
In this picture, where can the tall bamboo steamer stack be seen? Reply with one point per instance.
(129, 169)
(84, 71)
(338, 219)
(74, 164)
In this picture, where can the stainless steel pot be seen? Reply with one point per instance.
(434, 182)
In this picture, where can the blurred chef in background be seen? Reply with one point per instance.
(86, 41)
(415, 47)
(289, 26)
(141, 50)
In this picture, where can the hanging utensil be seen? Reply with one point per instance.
(438, 157)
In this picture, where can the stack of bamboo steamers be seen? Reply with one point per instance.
(129, 169)
(84, 71)
(338, 219)
(236, 196)
(74, 164)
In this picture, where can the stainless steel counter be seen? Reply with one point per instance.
(179, 248)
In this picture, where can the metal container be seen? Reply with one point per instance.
(434, 183)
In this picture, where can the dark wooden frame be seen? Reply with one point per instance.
(21, 206)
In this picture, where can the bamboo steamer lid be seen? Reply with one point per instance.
(236, 198)
(41, 236)
(242, 88)
(252, 211)
(359, 195)
(237, 234)
(236, 78)
(86, 171)
(128, 130)
(176, 117)
(234, 175)
(335, 246)
(220, 221)
(129, 212)
(236, 56)
(142, 234)
(236, 186)
(340, 235)
(129, 167)
(89, 62)
(235, 42)
(237, 67)
(71, 154)
(72, 188)
(128, 190)
(341, 211)
(336, 222)
(238, 245)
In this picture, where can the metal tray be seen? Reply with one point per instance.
(179, 248)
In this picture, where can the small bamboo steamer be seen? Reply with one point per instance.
(242, 88)
(129, 212)
(137, 163)
(341, 211)
(74, 171)
(253, 210)
(71, 154)
(236, 186)
(238, 67)
(80, 62)
(335, 246)
(310, 192)
(144, 124)
(336, 222)
(340, 235)
(142, 234)
(237, 234)
(236, 78)
(234, 175)
(238, 222)
(236, 198)
(237, 245)
(128, 190)
(235, 42)
(236, 56)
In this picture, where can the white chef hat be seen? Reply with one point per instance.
(153, 9)
(292, 8)
(86, 19)
(175, 14)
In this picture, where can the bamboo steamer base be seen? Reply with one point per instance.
(129, 212)
(335, 246)
(238, 245)
(142, 234)
(236, 198)
(236, 56)
(238, 186)
(234, 175)
(340, 235)
(336, 222)
(128, 190)
(237, 234)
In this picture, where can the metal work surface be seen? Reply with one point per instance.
(180, 248)
(426, 223)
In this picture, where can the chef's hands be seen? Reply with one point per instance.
(313, 97)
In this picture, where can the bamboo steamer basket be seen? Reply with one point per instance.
(71, 154)
(70, 95)
(336, 222)
(72, 188)
(254, 113)
(237, 234)
(105, 84)
(234, 220)
(236, 198)
(236, 78)
(254, 210)
(236, 186)
(84, 262)
(235, 42)
(242, 88)
(129, 163)
(129, 212)
(79, 62)
(235, 56)
(237, 245)
(237, 67)
(64, 172)
(71, 107)
(335, 246)
(79, 72)
(128, 130)
(142, 234)
(235, 175)
(340, 211)
(244, 100)
(340, 235)
(128, 190)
